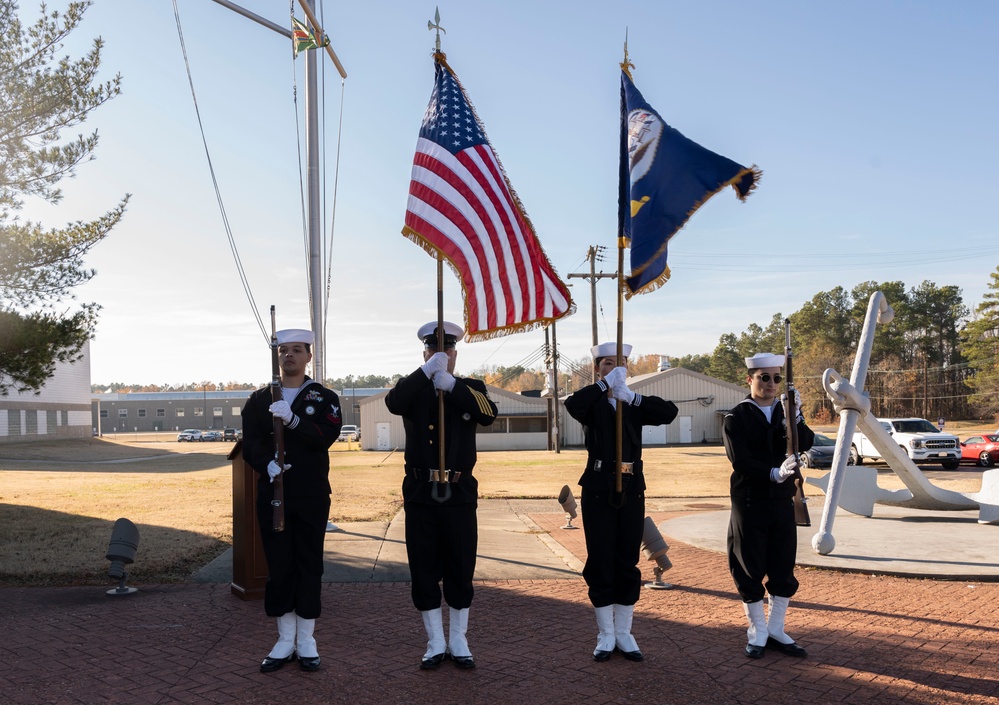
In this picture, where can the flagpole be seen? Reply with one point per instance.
(619, 407)
(622, 243)
(441, 455)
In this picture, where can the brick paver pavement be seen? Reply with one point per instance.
(870, 640)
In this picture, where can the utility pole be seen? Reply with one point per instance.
(558, 430)
(593, 254)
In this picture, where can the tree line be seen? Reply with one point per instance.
(935, 358)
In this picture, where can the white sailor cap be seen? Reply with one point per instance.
(428, 332)
(295, 335)
(761, 360)
(609, 350)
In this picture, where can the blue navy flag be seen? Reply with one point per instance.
(664, 178)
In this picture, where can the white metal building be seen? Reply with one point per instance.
(522, 424)
(523, 421)
(61, 409)
(702, 401)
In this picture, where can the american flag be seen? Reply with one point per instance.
(462, 208)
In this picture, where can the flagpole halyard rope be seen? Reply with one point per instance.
(218, 192)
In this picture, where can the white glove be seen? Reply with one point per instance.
(786, 470)
(615, 376)
(799, 417)
(615, 380)
(282, 410)
(436, 363)
(444, 381)
(273, 469)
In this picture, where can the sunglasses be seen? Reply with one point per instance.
(766, 378)
(433, 346)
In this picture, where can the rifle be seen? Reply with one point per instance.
(791, 425)
(278, 501)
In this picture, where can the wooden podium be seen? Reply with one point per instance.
(249, 566)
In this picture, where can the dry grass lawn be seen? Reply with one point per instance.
(59, 499)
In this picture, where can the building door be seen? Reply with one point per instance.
(686, 423)
(382, 432)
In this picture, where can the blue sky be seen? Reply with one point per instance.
(873, 122)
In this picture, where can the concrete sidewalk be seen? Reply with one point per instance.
(511, 546)
(895, 541)
(871, 639)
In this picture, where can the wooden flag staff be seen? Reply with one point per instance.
(617, 500)
(442, 474)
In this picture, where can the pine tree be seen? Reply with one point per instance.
(41, 95)
(980, 345)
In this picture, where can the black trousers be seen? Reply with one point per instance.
(441, 541)
(613, 541)
(762, 543)
(294, 556)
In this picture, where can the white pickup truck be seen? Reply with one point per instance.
(918, 438)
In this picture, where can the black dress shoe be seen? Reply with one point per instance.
(791, 649)
(308, 663)
(602, 655)
(428, 664)
(754, 651)
(635, 655)
(269, 665)
(461, 661)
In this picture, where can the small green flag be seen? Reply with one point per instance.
(303, 39)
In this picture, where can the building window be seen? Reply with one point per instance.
(142, 413)
(236, 411)
(104, 413)
(160, 413)
(180, 412)
(217, 411)
(528, 424)
(199, 411)
(122, 413)
(497, 426)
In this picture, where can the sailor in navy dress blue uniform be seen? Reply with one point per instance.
(614, 534)
(441, 536)
(312, 419)
(762, 536)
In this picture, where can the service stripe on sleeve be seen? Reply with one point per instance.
(484, 406)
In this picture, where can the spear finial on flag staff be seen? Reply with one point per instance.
(436, 24)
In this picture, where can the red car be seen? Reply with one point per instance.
(981, 450)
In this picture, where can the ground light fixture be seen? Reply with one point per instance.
(654, 548)
(121, 552)
(568, 504)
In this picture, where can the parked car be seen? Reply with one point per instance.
(820, 455)
(189, 434)
(918, 438)
(349, 433)
(981, 450)
(230, 434)
(211, 436)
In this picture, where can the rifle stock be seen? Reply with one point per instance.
(801, 517)
(278, 485)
